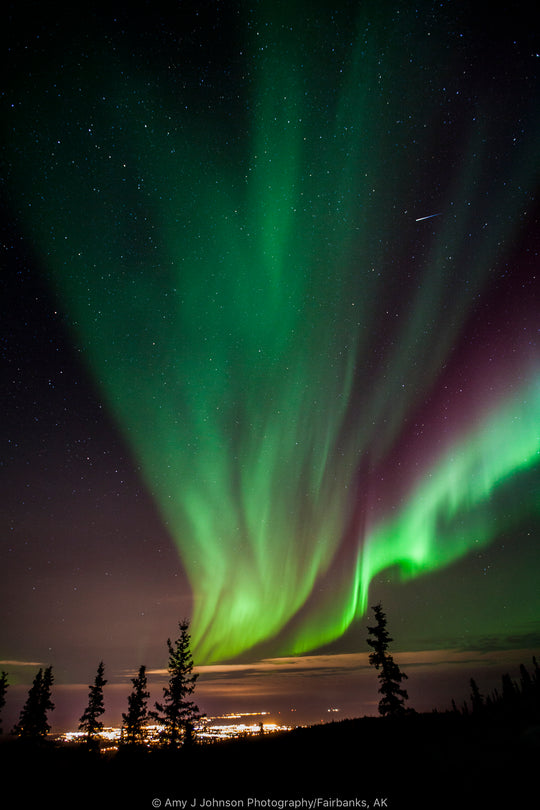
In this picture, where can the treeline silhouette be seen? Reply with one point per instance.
(457, 757)
(176, 715)
(517, 701)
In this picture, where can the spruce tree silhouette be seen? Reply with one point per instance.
(526, 680)
(89, 721)
(536, 673)
(176, 713)
(33, 724)
(477, 700)
(137, 714)
(393, 698)
(509, 689)
(3, 689)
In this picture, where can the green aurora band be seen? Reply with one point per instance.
(240, 299)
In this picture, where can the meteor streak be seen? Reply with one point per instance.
(430, 216)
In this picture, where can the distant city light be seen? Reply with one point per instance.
(207, 731)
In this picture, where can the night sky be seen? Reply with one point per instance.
(270, 347)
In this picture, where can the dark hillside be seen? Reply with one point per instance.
(422, 761)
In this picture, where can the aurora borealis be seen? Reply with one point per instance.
(322, 389)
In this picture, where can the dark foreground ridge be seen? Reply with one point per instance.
(417, 761)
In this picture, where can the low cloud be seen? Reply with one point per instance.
(524, 641)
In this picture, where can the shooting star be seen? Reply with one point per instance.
(430, 216)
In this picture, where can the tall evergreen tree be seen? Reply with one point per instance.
(177, 714)
(3, 689)
(390, 676)
(89, 722)
(526, 680)
(477, 700)
(33, 723)
(509, 689)
(536, 672)
(137, 713)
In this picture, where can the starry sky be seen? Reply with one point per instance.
(269, 346)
